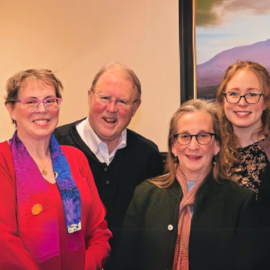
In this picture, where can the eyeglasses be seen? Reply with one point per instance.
(234, 97)
(119, 103)
(31, 104)
(202, 138)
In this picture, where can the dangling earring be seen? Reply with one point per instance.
(214, 160)
(175, 159)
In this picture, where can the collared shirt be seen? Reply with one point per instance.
(98, 147)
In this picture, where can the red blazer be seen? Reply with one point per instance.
(92, 247)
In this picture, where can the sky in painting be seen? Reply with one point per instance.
(225, 24)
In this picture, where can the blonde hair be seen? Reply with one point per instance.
(230, 140)
(193, 105)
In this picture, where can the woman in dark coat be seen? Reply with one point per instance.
(193, 217)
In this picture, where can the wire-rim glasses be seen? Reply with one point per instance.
(202, 138)
(119, 103)
(234, 97)
(51, 104)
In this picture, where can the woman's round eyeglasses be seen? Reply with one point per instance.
(202, 138)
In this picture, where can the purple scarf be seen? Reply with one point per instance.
(39, 231)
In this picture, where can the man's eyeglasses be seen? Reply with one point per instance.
(119, 103)
(31, 104)
(202, 138)
(234, 97)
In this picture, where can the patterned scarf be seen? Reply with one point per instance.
(181, 261)
(39, 231)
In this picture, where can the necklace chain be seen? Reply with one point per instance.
(43, 171)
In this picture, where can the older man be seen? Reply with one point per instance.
(120, 159)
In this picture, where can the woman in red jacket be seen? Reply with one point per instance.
(51, 216)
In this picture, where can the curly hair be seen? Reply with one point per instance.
(193, 105)
(230, 140)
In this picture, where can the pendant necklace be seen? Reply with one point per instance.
(43, 171)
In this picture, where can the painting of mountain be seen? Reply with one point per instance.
(210, 73)
(227, 31)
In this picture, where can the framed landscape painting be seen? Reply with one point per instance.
(222, 32)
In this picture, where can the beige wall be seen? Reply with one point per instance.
(75, 38)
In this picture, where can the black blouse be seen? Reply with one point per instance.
(252, 162)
